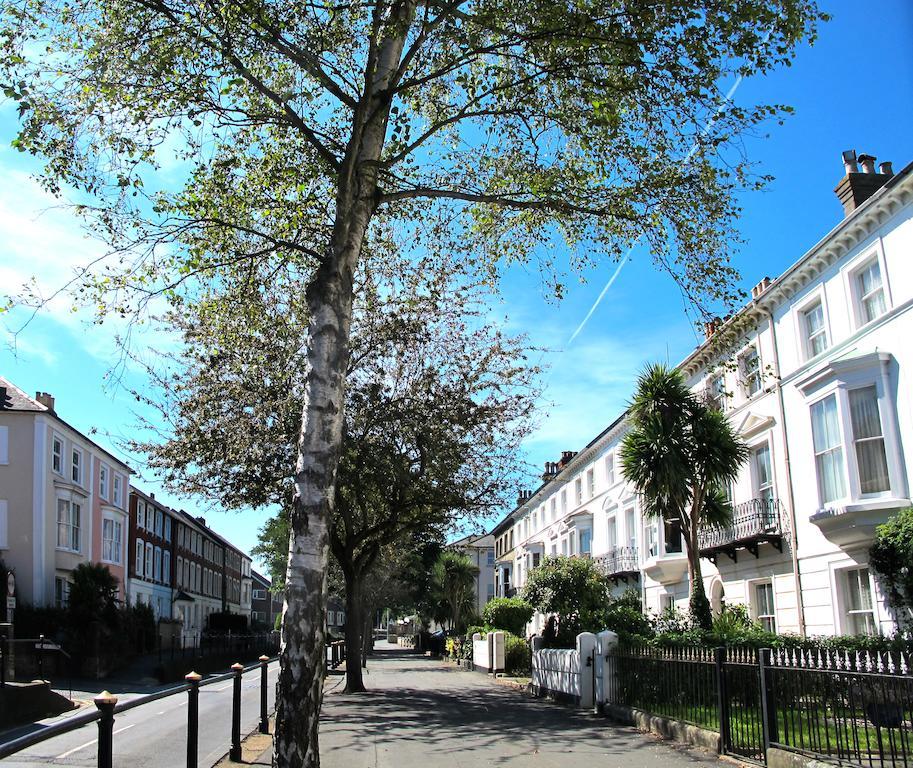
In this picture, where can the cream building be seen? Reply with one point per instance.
(63, 499)
(816, 378)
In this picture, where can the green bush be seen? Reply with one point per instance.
(574, 590)
(511, 614)
(625, 616)
(518, 656)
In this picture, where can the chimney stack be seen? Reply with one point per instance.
(858, 186)
(566, 457)
(710, 327)
(523, 497)
(551, 469)
(760, 287)
(46, 399)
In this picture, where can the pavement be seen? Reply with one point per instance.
(154, 735)
(418, 709)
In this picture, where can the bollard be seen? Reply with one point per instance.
(41, 657)
(264, 715)
(235, 752)
(105, 703)
(193, 717)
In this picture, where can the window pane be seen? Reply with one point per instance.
(828, 450)
(762, 471)
(867, 435)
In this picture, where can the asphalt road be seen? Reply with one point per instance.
(154, 735)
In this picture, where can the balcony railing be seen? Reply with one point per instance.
(754, 522)
(619, 563)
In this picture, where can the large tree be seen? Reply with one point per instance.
(680, 453)
(438, 400)
(488, 128)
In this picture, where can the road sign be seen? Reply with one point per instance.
(10, 584)
(11, 603)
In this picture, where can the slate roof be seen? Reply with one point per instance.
(14, 399)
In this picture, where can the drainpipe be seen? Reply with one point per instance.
(793, 539)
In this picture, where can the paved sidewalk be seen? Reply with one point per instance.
(420, 709)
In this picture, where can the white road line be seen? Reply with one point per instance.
(90, 743)
(75, 749)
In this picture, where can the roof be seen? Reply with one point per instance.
(473, 540)
(14, 399)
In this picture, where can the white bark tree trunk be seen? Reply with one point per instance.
(299, 692)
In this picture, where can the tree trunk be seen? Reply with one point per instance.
(299, 692)
(354, 640)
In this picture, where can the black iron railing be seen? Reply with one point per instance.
(852, 707)
(849, 707)
(106, 706)
(751, 520)
(617, 561)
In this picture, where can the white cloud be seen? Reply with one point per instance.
(44, 245)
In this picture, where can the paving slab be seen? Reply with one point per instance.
(420, 709)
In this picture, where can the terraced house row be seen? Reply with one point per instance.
(817, 380)
(65, 500)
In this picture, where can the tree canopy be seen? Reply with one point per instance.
(485, 130)
(680, 454)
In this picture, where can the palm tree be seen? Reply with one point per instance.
(679, 454)
(453, 582)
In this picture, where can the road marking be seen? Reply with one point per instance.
(75, 749)
(90, 743)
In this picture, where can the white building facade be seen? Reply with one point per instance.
(816, 377)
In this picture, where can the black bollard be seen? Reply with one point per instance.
(264, 715)
(193, 717)
(105, 702)
(235, 752)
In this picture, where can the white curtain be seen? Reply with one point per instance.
(828, 449)
(867, 434)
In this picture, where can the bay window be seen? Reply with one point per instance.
(868, 441)
(111, 539)
(68, 524)
(828, 449)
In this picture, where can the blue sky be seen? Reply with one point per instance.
(852, 90)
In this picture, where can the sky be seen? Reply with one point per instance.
(852, 90)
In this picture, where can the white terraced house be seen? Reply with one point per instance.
(819, 385)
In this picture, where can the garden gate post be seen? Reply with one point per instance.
(768, 700)
(586, 652)
(497, 649)
(606, 643)
(722, 694)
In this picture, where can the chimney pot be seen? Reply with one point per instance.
(868, 163)
(885, 168)
(849, 161)
(46, 399)
(856, 187)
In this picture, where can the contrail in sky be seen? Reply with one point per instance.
(729, 94)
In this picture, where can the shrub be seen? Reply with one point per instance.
(889, 557)
(625, 616)
(508, 613)
(518, 656)
(574, 589)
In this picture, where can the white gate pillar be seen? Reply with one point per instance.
(606, 642)
(586, 660)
